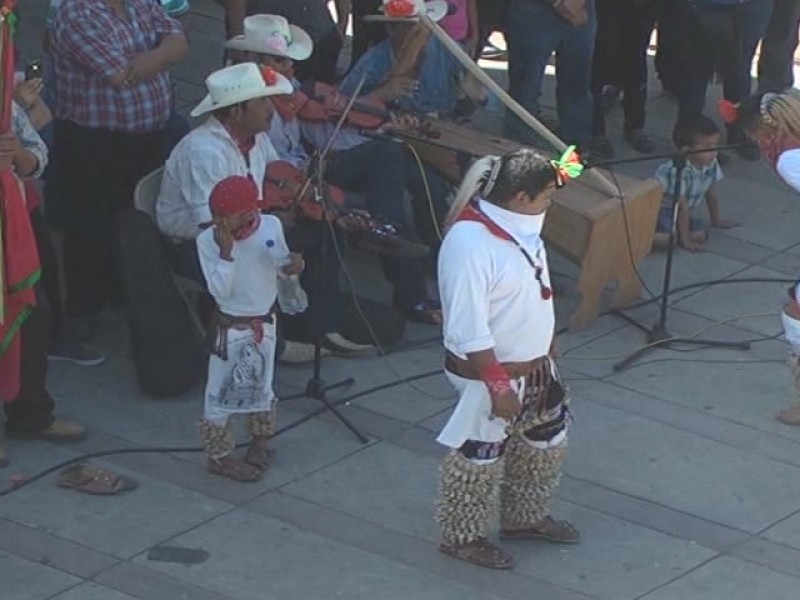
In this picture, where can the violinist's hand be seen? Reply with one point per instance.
(396, 88)
(357, 220)
(403, 122)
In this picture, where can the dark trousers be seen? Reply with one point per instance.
(620, 58)
(492, 16)
(535, 30)
(96, 172)
(669, 60)
(321, 66)
(776, 62)
(378, 170)
(32, 411)
(320, 280)
(365, 34)
(51, 276)
(722, 40)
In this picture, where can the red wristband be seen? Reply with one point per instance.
(496, 379)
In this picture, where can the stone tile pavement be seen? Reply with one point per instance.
(682, 483)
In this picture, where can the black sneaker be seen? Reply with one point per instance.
(76, 354)
(747, 149)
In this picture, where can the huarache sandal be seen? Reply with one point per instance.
(234, 469)
(560, 532)
(480, 552)
(259, 457)
(95, 480)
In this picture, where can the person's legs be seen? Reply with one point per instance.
(31, 413)
(534, 32)
(706, 34)
(605, 68)
(637, 28)
(776, 58)
(365, 34)
(573, 76)
(376, 169)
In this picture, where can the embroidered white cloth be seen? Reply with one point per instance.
(206, 156)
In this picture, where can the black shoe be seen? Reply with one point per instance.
(601, 148)
(747, 149)
(640, 141)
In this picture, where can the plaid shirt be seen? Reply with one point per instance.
(91, 44)
(696, 181)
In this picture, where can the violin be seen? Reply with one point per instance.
(287, 188)
(320, 102)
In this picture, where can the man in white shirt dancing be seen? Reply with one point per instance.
(507, 434)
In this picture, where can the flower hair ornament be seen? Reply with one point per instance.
(728, 111)
(278, 41)
(567, 167)
(399, 8)
(270, 76)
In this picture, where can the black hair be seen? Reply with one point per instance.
(688, 129)
(523, 170)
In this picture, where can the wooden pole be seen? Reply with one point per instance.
(605, 185)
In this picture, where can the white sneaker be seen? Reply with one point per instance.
(297, 353)
(338, 343)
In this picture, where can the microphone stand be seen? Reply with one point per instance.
(316, 387)
(658, 336)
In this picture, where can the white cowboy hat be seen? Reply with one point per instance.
(239, 83)
(434, 10)
(272, 34)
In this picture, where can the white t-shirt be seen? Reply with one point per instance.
(490, 296)
(788, 167)
(247, 286)
(206, 156)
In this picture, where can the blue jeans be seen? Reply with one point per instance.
(723, 40)
(535, 31)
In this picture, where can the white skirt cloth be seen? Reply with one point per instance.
(243, 383)
(472, 417)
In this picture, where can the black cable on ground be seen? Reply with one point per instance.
(192, 449)
(339, 402)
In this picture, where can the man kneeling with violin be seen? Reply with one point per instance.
(233, 141)
(376, 168)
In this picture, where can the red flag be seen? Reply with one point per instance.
(19, 258)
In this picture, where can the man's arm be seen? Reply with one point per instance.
(29, 155)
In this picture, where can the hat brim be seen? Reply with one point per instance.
(435, 10)
(300, 48)
(281, 88)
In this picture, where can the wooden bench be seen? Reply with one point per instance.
(587, 226)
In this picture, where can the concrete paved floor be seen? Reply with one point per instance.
(682, 483)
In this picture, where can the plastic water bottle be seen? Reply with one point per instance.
(292, 297)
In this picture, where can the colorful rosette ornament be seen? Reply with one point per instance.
(270, 76)
(728, 111)
(567, 167)
(399, 8)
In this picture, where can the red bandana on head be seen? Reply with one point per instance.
(234, 195)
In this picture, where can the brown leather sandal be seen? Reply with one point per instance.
(234, 469)
(560, 532)
(95, 480)
(259, 457)
(480, 552)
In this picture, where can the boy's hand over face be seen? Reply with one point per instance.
(224, 238)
